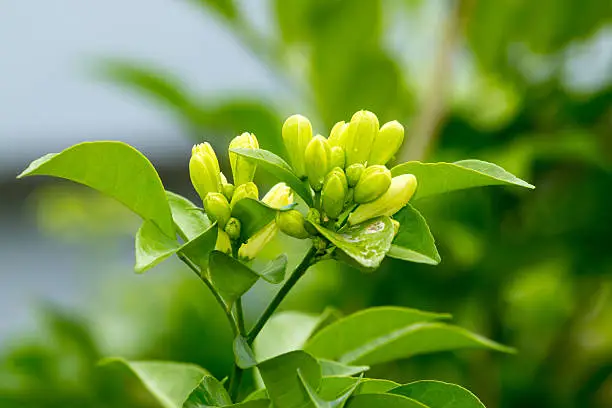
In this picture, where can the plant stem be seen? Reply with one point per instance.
(236, 375)
(300, 270)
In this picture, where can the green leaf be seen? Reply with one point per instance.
(253, 215)
(413, 241)
(225, 8)
(438, 394)
(115, 169)
(170, 383)
(383, 334)
(438, 178)
(209, 393)
(189, 219)
(229, 276)
(366, 243)
(333, 386)
(333, 368)
(278, 168)
(259, 403)
(318, 402)
(382, 401)
(274, 271)
(283, 384)
(243, 354)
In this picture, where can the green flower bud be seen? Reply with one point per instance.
(318, 161)
(337, 157)
(353, 173)
(246, 190)
(297, 133)
(217, 208)
(337, 136)
(233, 228)
(374, 181)
(361, 132)
(226, 188)
(204, 170)
(386, 143)
(394, 199)
(292, 223)
(350, 197)
(279, 196)
(223, 243)
(313, 216)
(243, 169)
(334, 193)
(257, 242)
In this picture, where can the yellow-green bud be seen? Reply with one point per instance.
(350, 197)
(243, 169)
(337, 136)
(334, 193)
(204, 170)
(292, 223)
(394, 199)
(353, 173)
(386, 143)
(279, 196)
(226, 188)
(297, 133)
(313, 216)
(223, 244)
(246, 190)
(257, 242)
(361, 132)
(374, 181)
(233, 228)
(217, 208)
(318, 161)
(337, 157)
(396, 226)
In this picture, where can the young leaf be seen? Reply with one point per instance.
(170, 383)
(229, 276)
(279, 169)
(366, 243)
(188, 218)
(283, 384)
(243, 354)
(413, 241)
(115, 169)
(208, 393)
(274, 271)
(438, 178)
(383, 401)
(333, 368)
(438, 394)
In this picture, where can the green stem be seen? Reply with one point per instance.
(236, 375)
(299, 271)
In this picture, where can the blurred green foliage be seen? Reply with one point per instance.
(532, 270)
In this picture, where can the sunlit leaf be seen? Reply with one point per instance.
(333, 368)
(383, 401)
(438, 394)
(333, 386)
(188, 218)
(316, 401)
(208, 393)
(229, 276)
(413, 241)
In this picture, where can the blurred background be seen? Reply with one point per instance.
(525, 84)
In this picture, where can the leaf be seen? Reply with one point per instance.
(438, 178)
(366, 243)
(333, 386)
(189, 219)
(383, 334)
(209, 393)
(413, 241)
(438, 394)
(280, 375)
(318, 402)
(243, 355)
(170, 383)
(383, 401)
(253, 215)
(274, 271)
(115, 169)
(225, 8)
(259, 403)
(229, 276)
(333, 368)
(278, 168)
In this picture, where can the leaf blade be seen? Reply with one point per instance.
(229, 276)
(438, 394)
(414, 241)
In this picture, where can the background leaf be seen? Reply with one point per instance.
(229, 276)
(413, 241)
(209, 392)
(438, 394)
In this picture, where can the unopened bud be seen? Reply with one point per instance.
(313, 216)
(318, 161)
(279, 196)
(374, 181)
(350, 197)
(246, 190)
(297, 133)
(292, 223)
(337, 136)
(223, 244)
(334, 193)
(233, 228)
(398, 194)
(257, 242)
(386, 143)
(396, 226)
(217, 208)
(353, 173)
(337, 157)
(242, 168)
(226, 188)
(204, 170)
(361, 132)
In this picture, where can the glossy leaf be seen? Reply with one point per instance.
(333, 368)
(283, 384)
(317, 401)
(438, 178)
(243, 354)
(366, 243)
(274, 271)
(209, 393)
(334, 386)
(115, 169)
(170, 383)
(190, 220)
(383, 401)
(229, 276)
(413, 241)
(438, 394)
(279, 169)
